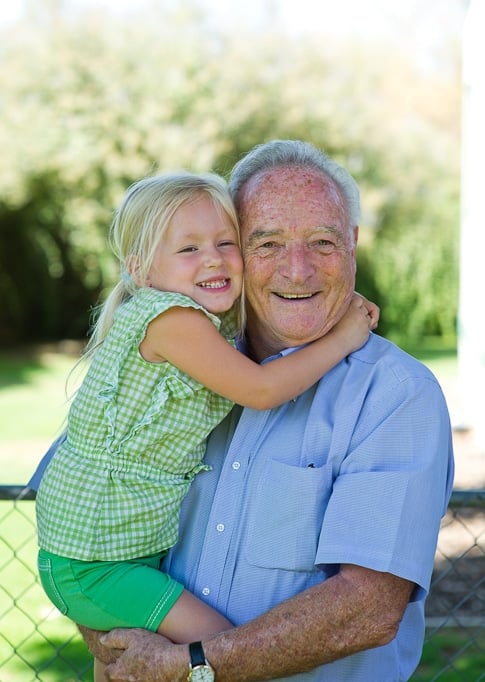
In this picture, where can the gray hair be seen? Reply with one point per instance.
(284, 153)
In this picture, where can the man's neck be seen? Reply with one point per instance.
(258, 348)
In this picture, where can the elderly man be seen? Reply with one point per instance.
(315, 530)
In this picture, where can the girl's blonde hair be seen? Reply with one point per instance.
(138, 225)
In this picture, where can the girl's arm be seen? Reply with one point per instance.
(186, 338)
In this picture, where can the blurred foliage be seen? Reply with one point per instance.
(92, 101)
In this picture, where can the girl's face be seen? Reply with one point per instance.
(199, 256)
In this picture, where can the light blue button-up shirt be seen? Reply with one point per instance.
(357, 470)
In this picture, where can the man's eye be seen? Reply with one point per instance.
(268, 245)
(324, 244)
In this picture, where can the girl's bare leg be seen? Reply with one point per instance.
(190, 619)
(99, 669)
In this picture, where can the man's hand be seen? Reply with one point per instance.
(145, 656)
(92, 640)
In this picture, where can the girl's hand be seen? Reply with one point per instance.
(373, 310)
(352, 330)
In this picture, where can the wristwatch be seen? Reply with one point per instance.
(199, 669)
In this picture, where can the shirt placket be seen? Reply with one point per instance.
(215, 572)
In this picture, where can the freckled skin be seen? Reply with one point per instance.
(293, 206)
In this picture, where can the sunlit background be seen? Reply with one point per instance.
(95, 94)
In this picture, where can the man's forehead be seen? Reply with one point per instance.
(291, 198)
(257, 233)
(280, 178)
(289, 189)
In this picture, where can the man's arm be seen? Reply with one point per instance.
(354, 610)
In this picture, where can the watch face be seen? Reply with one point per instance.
(202, 673)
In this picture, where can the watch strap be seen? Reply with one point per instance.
(197, 655)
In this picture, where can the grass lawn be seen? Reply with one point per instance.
(465, 649)
(36, 642)
(33, 407)
(33, 636)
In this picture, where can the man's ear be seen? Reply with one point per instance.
(355, 234)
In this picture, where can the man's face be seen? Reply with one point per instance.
(299, 257)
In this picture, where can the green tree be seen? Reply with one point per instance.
(91, 103)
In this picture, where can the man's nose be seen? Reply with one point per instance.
(297, 263)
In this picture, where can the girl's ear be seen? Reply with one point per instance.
(133, 269)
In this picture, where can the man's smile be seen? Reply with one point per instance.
(293, 296)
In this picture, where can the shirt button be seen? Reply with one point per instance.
(220, 527)
(206, 591)
(236, 465)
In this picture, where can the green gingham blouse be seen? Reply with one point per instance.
(136, 439)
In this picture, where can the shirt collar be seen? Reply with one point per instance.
(241, 346)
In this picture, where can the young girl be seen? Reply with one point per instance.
(161, 378)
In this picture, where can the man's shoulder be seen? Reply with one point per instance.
(384, 354)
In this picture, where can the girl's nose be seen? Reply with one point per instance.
(212, 257)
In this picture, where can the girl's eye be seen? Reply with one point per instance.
(227, 242)
(188, 249)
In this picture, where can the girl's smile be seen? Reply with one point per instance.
(199, 256)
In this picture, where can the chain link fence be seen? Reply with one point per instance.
(36, 643)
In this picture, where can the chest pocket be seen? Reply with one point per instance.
(285, 516)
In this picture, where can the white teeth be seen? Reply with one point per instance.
(295, 295)
(213, 285)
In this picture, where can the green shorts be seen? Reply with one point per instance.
(109, 594)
